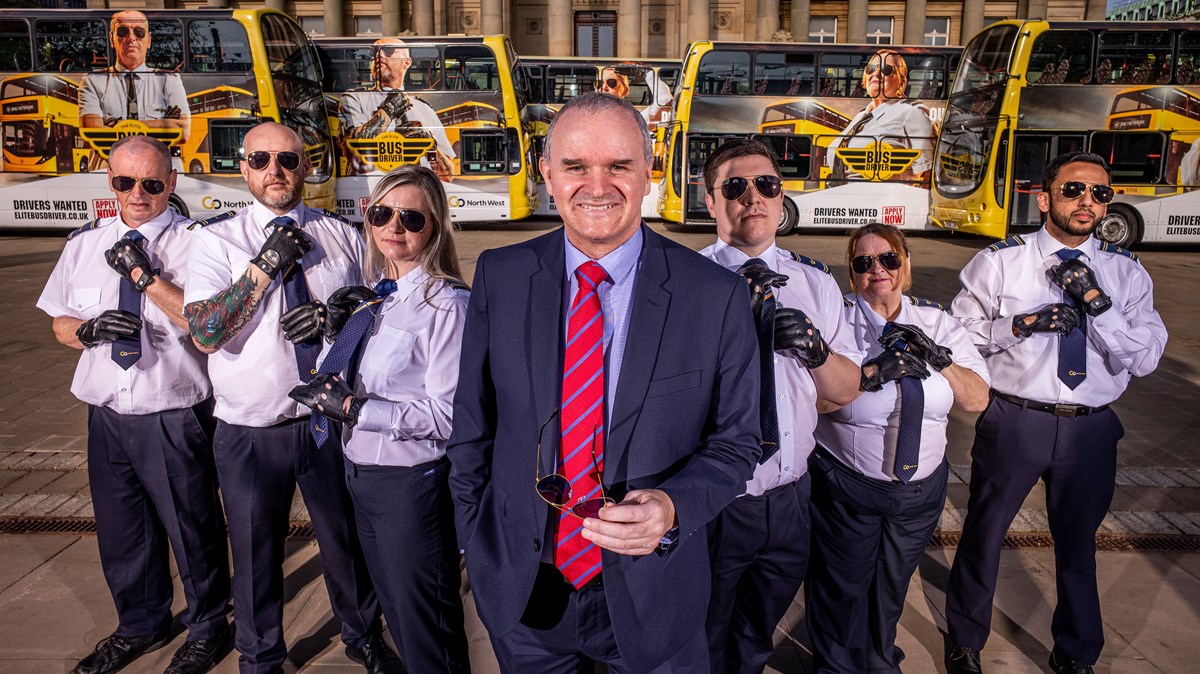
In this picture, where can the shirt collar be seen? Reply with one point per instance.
(262, 216)
(150, 229)
(405, 285)
(143, 68)
(1048, 246)
(618, 264)
(731, 258)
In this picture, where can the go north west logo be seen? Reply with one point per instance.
(879, 161)
(102, 138)
(391, 150)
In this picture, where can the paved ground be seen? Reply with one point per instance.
(54, 606)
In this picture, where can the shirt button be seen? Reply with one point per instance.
(787, 434)
(787, 467)
(782, 396)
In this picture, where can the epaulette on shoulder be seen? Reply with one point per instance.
(337, 216)
(85, 228)
(458, 285)
(1014, 240)
(922, 302)
(808, 261)
(1117, 250)
(847, 301)
(220, 217)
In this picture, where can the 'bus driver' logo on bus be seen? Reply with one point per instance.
(879, 161)
(391, 150)
(102, 138)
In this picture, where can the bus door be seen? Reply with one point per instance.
(699, 146)
(1031, 153)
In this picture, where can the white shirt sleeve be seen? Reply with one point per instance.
(1132, 333)
(208, 271)
(977, 306)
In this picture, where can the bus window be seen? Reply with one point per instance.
(985, 61)
(482, 151)
(841, 75)
(218, 47)
(1189, 57)
(225, 144)
(783, 74)
(668, 76)
(71, 46)
(15, 46)
(537, 86)
(288, 51)
(1134, 57)
(926, 77)
(426, 70)
(1133, 158)
(471, 68)
(723, 73)
(1061, 57)
(565, 83)
(166, 45)
(794, 154)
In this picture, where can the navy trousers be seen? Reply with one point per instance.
(759, 553)
(259, 469)
(153, 482)
(868, 537)
(1077, 459)
(567, 631)
(406, 524)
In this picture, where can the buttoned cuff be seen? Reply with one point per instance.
(375, 416)
(1002, 333)
(1110, 321)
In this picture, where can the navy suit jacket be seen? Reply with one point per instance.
(685, 420)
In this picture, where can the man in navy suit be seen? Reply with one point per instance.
(669, 425)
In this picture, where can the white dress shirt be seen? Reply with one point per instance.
(863, 434)
(253, 373)
(898, 123)
(171, 373)
(359, 106)
(1009, 278)
(814, 292)
(104, 94)
(408, 373)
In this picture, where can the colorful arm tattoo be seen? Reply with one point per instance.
(215, 321)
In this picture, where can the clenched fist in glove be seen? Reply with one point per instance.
(761, 279)
(108, 327)
(918, 343)
(304, 323)
(891, 365)
(341, 303)
(1060, 318)
(329, 395)
(125, 256)
(795, 334)
(1079, 282)
(283, 247)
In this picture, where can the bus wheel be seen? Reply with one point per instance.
(196, 167)
(791, 215)
(1121, 226)
(83, 164)
(176, 204)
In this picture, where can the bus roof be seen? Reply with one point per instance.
(821, 46)
(409, 40)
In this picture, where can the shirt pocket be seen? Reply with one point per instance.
(393, 350)
(335, 275)
(82, 299)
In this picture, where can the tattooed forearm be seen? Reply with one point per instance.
(215, 321)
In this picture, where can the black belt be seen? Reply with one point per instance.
(1057, 409)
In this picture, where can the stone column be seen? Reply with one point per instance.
(972, 21)
(334, 26)
(768, 19)
(629, 29)
(800, 10)
(422, 19)
(491, 17)
(1095, 10)
(217, 4)
(560, 25)
(390, 19)
(1038, 9)
(279, 4)
(856, 22)
(914, 22)
(699, 19)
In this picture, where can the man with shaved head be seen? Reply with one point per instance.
(115, 296)
(264, 332)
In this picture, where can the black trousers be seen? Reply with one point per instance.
(152, 481)
(567, 631)
(259, 469)
(759, 553)
(406, 524)
(1077, 459)
(868, 537)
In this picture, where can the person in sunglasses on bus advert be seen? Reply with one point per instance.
(115, 295)
(1063, 321)
(760, 542)
(130, 89)
(265, 332)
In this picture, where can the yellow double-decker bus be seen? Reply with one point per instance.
(853, 127)
(1029, 91)
(202, 78)
(450, 103)
(646, 83)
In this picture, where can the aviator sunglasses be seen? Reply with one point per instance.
(768, 186)
(389, 50)
(863, 263)
(888, 69)
(380, 215)
(1073, 189)
(259, 159)
(138, 32)
(556, 489)
(611, 83)
(125, 184)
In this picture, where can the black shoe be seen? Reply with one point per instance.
(376, 656)
(117, 651)
(1063, 665)
(962, 660)
(201, 655)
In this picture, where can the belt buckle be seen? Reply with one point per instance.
(1061, 410)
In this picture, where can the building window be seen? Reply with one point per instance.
(822, 29)
(595, 33)
(937, 31)
(879, 30)
(314, 26)
(368, 26)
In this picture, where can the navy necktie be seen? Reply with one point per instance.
(127, 350)
(912, 413)
(1072, 347)
(347, 346)
(295, 293)
(768, 417)
(131, 99)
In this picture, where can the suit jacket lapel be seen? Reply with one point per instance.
(546, 339)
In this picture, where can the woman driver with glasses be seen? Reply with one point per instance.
(389, 378)
(879, 472)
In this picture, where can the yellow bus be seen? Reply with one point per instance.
(204, 77)
(1028, 91)
(646, 83)
(450, 103)
(853, 127)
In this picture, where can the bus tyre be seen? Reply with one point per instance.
(1121, 226)
(83, 164)
(176, 204)
(791, 215)
(196, 167)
